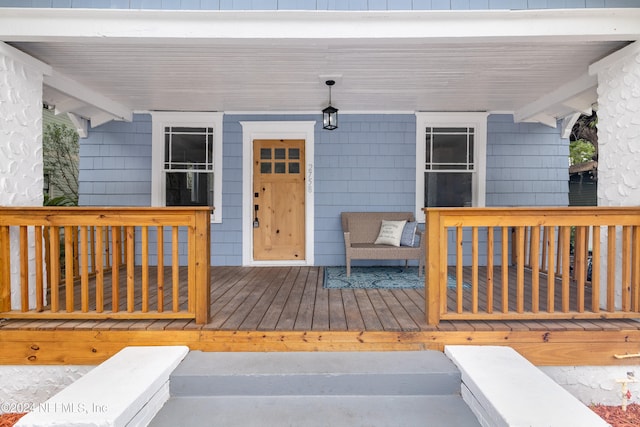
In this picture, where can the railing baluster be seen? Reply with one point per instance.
(84, 272)
(545, 248)
(635, 273)
(92, 249)
(520, 237)
(528, 239)
(626, 268)
(566, 269)
(551, 271)
(160, 239)
(490, 254)
(534, 261)
(129, 252)
(145, 269)
(39, 269)
(99, 268)
(474, 270)
(579, 266)
(5, 269)
(115, 269)
(76, 253)
(443, 277)
(175, 269)
(107, 248)
(54, 262)
(459, 265)
(505, 269)
(69, 268)
(560, 253)
(595, 270)
(24, 268)
(611, 271)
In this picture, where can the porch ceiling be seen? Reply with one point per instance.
(374, 73)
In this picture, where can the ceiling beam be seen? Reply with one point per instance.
(610, 60)
(52, 24)
(80, 92)
(22, 57)
(559, 96)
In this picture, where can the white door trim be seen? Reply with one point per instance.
(276, 130)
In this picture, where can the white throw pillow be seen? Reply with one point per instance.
(390, 233)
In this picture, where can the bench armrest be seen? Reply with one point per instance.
(347, 239)
(423, 243)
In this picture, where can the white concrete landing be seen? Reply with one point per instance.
(504, 389)
(128, 389)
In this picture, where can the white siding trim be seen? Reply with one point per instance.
(174, 118)
(277, 130)
(477, 120)
(50, 24)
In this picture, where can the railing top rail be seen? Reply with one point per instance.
(542, 216)
(62, 216)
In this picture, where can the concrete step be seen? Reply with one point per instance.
(311, 411)
(417, 388)
(322, 373)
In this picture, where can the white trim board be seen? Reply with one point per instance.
(159, 120)
(50, 24)
(477, 120)
(277, 130)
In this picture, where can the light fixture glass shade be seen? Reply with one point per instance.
(330, 118)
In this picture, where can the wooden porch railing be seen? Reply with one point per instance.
(532, 263)
(71, 261)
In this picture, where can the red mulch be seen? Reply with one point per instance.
(615, 416)
(8, 420)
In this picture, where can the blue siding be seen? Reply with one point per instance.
(368, 163)
(323, 4)
(527, 164)
(115, 164)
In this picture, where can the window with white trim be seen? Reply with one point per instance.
(187, 160)
(450, 160)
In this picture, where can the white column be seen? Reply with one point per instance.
(618, 137)
(21, 167)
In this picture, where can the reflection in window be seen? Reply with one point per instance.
(449, 166)
(188, 166)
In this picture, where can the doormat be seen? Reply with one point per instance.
(378, 278)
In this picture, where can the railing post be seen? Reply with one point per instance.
(433, 262)
(5, 269)
(201, 264)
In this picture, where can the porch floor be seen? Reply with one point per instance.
(287, 308)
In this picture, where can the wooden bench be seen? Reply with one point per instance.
(361, 231)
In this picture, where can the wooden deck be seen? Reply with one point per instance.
(287, 309)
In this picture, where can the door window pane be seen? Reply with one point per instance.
(280, 167)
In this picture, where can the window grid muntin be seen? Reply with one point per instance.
(191, 170)
(432, 132)
(449, 169)
(207, 133)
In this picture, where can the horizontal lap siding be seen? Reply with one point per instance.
(527, 164)
(115, 165)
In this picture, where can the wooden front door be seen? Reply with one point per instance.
(278, 200)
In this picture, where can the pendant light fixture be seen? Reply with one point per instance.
(330, 114)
